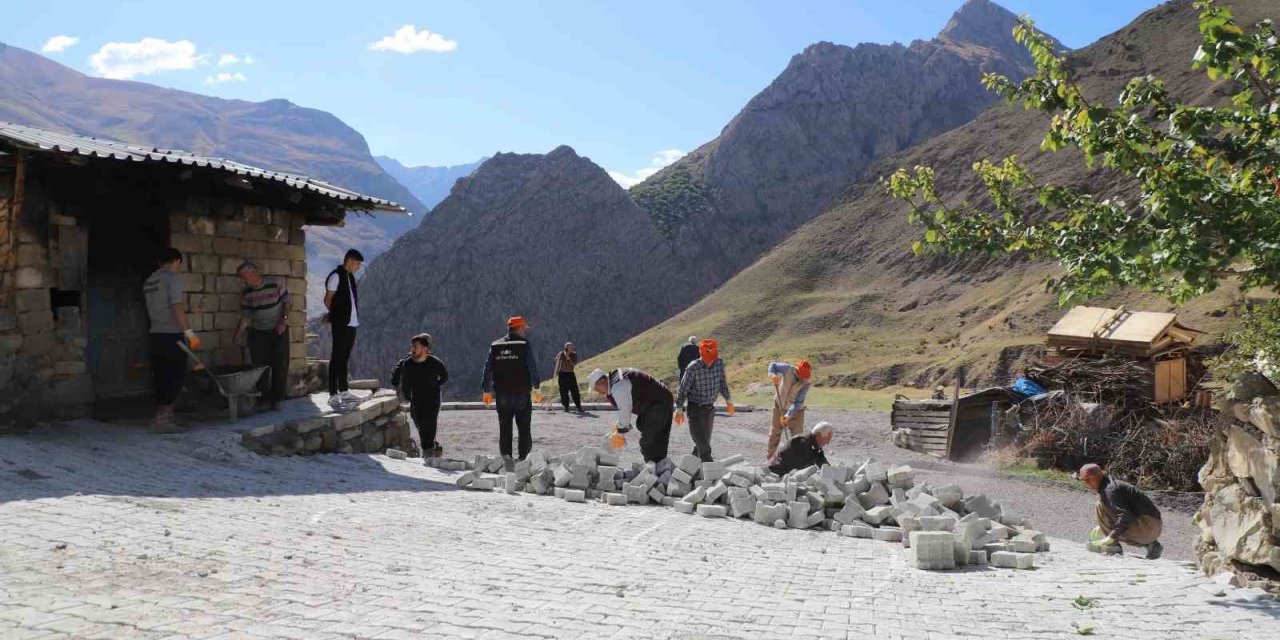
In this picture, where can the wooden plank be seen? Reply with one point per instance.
(921, 419)
(920, 427)
(941, 437)
(951, 422)
(923, 415)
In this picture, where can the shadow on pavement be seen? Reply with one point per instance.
(95, 458)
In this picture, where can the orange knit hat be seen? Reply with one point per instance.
(804, 369)
(709, 350)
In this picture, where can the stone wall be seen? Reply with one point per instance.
(42, 348)
(44, 260)
(215, 236)
(1240, 518)
(377, 424)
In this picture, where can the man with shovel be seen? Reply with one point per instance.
(264, 315)
(165, 295)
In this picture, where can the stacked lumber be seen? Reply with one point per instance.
(921, 425)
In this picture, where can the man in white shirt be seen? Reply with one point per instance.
(632, 391)
(342, 300)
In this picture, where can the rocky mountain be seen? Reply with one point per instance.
(276, 134)
(796, 145)
(784, 158)
(551, 237)
(428, 184)
(846, 291)
(374, 234)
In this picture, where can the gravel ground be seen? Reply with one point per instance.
(1058, 509)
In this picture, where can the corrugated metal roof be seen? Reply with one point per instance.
(40, 139)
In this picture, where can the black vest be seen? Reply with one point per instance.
(646, 390)
(340, 311)
(510, 357)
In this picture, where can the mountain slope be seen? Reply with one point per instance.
(784, 157)
(550, 237)
(846, 291)
(835, 109)
(429, 185)
(275, 134)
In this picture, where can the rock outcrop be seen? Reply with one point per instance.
(550, 237)
(833, 111)
(1240, 518)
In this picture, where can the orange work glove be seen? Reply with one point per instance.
(617, 441)
(729, 408)
(193, 340)
(680, 418)
(785, 419)
(487, 398)
(776, 380)
(537, 396)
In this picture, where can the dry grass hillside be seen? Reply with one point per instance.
(846, 291)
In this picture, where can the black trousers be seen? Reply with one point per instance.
(654, 424)
(569, 386)
(517, 408)
(425, 414)
(168, 362)
(701, 419)
(267, 348)
(344, 338)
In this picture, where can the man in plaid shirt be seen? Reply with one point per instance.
(700, 383)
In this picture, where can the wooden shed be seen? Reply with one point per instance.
(956, 429)
(1152, 337)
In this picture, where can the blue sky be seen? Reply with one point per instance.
(625, 83)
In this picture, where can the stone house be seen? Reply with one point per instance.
(81, 221)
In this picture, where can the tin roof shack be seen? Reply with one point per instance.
(1156, 339)
(81, 222)
(957, 429)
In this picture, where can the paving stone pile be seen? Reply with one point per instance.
(940, 526)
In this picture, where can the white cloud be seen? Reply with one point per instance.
(224, 77)
(408, 39)
(228, 59)
(125, 60)
(662, 159)
(59, 43)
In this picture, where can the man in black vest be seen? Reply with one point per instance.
(511, 373)
(343, 303)
(632, 391)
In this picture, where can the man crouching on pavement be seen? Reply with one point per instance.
(803, 451)
(1124, 512)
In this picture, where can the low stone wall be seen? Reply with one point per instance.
(374, 426)
(1240, 519)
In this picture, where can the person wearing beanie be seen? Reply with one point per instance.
(702, 381)
(790, 388)
(634, 392)
(803, 451)
(688, 353)
(511, 374)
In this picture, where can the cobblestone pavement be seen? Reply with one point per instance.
(110, 532)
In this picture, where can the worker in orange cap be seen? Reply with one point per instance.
(790, 388)
(702, 380)
(511, 373)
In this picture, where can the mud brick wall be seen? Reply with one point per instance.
(216, 236)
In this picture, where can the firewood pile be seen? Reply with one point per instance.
(1105, 415)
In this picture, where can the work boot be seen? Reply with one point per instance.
(1154, 550)
(163, 420)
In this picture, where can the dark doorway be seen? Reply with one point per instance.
(123, 244)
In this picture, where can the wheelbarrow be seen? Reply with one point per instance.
(238, 384)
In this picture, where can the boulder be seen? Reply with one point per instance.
(1241, 526)
(1247, 457)
(1250, 385)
